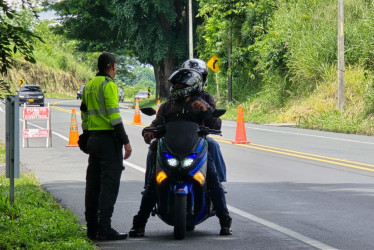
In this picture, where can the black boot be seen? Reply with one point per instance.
(110, 234)
(92, 227)
(225, 222)
(92, 232)
(138, 227)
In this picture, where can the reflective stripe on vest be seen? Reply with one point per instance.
(102, 110)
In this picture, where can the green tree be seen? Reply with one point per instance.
(143, 75)
(154, 31)
(14, 37)
(248, 21)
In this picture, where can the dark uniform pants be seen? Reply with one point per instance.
(105, 165)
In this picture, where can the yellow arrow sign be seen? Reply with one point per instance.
(213, 63)
(21, 81)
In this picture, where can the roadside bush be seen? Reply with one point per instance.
(36, 220)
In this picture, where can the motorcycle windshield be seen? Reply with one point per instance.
(181, 137)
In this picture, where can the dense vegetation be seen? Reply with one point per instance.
(283, 57)
(284, 60)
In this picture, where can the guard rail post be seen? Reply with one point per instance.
(12, 141)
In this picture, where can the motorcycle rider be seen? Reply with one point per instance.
(184, 103)
(214, 149)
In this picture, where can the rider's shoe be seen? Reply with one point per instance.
(138, 227)
(137, 232)
(225, 222)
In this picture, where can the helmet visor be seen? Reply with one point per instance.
(185, 76)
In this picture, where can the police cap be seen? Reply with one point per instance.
(105, 61)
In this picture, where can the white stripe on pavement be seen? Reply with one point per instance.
(134, 166)
(293, 234)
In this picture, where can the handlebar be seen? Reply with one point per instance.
(160, 130)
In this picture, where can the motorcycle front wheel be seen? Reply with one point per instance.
(180, 203)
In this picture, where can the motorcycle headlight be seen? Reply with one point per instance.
(171, 160)
(187, 162)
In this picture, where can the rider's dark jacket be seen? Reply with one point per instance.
(173, 110)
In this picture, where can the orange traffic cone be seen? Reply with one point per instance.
(158, 105)
(241, 137)
(74, 135)
(137, 119)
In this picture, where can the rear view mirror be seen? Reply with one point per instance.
(148, 111)
(219, 112)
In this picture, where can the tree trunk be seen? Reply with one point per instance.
(162, 71)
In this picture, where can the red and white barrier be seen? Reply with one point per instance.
(36, 113)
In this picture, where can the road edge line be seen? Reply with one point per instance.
(289, 232)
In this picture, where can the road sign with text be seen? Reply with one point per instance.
(36, 113)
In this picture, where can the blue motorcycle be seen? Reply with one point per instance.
(183, 199)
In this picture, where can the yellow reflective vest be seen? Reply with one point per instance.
(100, 95)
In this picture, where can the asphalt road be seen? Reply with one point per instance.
(288, 189)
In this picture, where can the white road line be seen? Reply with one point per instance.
(293, 133)
(134, 166)
(293, 234)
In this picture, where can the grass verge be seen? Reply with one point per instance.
(36, 220)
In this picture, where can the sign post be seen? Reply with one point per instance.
(12, 142)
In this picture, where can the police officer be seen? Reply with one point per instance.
(102, 121)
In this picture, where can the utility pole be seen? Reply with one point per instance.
(229, 66)
(190, 29)
(341, 70)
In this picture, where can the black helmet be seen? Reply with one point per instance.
(192, 80)
(199, 65)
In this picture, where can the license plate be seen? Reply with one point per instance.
(31, 100)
